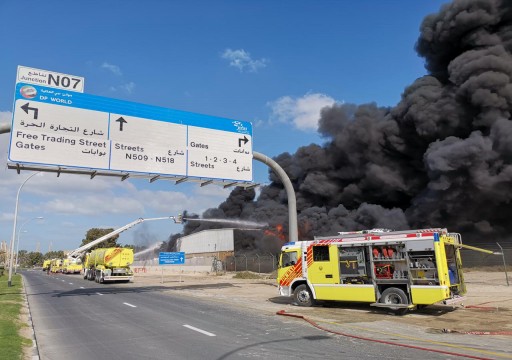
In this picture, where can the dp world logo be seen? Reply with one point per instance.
(239, 126)
(28, 92)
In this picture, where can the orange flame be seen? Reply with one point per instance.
(278, 232)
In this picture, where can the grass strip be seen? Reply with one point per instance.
(11, 301)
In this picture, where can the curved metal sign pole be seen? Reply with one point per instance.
(290, 192)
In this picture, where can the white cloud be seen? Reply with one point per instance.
(5, 117)
(49, 185)
(114, 69)
(164, 202)
(258, 122)
(7, 217)
(126, 88)
(94, 205)
(242, 60)
(195, 199)
(213, 191)
(303, 112)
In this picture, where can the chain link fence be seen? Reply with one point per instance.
(267, 263)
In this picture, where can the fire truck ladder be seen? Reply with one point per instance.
(79, 252)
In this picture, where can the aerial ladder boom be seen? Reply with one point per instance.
(79, 252)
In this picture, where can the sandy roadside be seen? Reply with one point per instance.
(488, 306)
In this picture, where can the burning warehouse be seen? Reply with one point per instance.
(226, 242)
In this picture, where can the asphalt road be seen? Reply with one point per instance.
(78, 319)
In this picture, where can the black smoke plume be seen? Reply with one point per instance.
(442, 157)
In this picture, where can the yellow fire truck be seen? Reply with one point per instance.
(56, 265)
(399, 270)
(109, 264)
(46, 265)
(71, 266)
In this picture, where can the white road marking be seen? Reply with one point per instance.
(63, 280)
(70, 283)
(199, 330)
(99, 293)
(81, 287)
(129, 305)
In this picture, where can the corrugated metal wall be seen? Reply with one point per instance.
(207, 241)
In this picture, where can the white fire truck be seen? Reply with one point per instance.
(399, 270)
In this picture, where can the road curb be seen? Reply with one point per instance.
(35, 349)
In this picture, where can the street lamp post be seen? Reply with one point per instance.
(18, 251)
(9, 281)
(18, 242)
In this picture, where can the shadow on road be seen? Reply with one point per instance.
(201, 286)
(281, 300)
(258, 345)
(105, 290)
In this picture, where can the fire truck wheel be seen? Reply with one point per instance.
(302, 296)
(396, 296)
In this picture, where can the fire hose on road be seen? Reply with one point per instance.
(284, 313)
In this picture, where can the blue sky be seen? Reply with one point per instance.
(273, 63)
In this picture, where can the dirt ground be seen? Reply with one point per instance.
(488, 306)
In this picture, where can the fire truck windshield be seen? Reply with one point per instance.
(289, 258)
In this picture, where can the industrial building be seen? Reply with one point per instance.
(208, 243)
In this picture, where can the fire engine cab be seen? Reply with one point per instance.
(400, 270)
